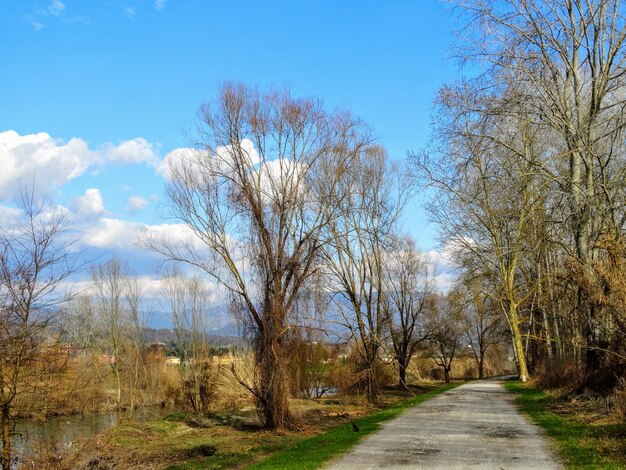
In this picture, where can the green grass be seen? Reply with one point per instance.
(225, 461)
(581, 445)
(311, 453)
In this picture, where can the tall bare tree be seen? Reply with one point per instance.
(187, 299)
(444, 328)
(257, 194)
(35, 260)
(117, 297)
(360, 239)
(484, 151)
(409, 285)
(567, 61)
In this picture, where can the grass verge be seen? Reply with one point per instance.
(582, 443)
(312, 452)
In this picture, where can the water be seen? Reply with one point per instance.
(58, 434)
(319, 392)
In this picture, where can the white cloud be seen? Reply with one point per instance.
(48, 164)
(112, 233)
(8, 215)
(89, 205)
(199, 166)
(440, 259)
(133, 151)
(135, 203)
(177, 234)
(56, 7)
(173, 159)
(221, 159)
(39, 160)
(159, 4)
(129, 12)
(442, 263)
(280, 179)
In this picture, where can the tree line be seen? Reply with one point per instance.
(527, 163)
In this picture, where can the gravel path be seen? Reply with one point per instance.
(475, 425)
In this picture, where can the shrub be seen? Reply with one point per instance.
(619, 397)
(559, 374)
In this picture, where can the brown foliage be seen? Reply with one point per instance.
(564, 374)
(619, 396)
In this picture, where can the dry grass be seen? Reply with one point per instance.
(619, 398)
(463, 367)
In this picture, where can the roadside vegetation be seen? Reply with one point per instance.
(586, 430)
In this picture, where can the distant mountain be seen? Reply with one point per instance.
(222, 330)
(214, 338)
(217, 318)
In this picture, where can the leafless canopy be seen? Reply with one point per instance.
(260, 186)
(35, 259)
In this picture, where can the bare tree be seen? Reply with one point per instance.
(444, 332)
(483, 323)
(117, 297)
(138, 324)
(187, 300)
(409, 285)
(483, 152)
(567, 61)
(79, 323)
(360, 237)
(257, 194)
(35, 260)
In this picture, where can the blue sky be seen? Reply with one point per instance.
(96, 93)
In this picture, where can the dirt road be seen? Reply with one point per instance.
(475, 425)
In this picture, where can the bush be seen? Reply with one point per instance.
(619, 397)
(559, 374)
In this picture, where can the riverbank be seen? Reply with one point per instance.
(56, 435)
(232, 439)
(584, 429)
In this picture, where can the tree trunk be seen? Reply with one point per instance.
(481, 366)
(6, 435)
(370, 356)
(118, 381)
(372, 383)
(546, 326)
(272, 390)
(544, 313)
(583, 224)
(517, 343)
(595, 362)
(402, 374)
(446, 374)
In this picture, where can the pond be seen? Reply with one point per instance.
(57, 435)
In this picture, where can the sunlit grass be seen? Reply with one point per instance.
(581, 445)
